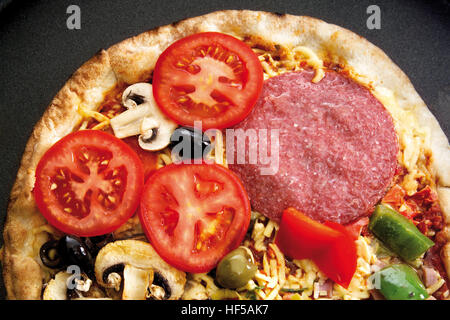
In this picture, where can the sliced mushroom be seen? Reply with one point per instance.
(128, 123)
(135, 267)
(57, 288)
(136, 95)
(83, 284)
(194, 291)
(143, 118)
(155, 134)
(136, 282)
(156, 292)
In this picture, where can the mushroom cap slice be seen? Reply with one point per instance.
(155, 133)
(56, 288)
(128, 123)
(136, 282)
(140, 255)
(143, 118)
(137, 94)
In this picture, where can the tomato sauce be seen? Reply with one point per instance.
(111, 105)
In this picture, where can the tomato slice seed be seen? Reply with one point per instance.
(66, 184)
(204, 188)
(169, 220)
(207, 236)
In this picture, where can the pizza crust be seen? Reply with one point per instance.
(23, 276)
(133, 60)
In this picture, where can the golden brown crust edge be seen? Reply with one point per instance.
(22, 273)
(133, 59)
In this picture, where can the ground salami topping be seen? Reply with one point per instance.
(337, 148)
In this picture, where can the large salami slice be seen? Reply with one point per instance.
(337, 148)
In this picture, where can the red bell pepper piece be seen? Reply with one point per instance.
(329, 245)
(340, 261)
(356, 227)
(301, 237)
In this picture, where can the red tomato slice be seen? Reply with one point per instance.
(209, 77)
(301, 237)
(88, 183)
(149, 159)
(194, 214)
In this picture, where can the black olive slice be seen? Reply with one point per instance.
(198, 142)
(49, 254)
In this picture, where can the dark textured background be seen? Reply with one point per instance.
(38, 53)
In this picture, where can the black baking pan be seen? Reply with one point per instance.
(38, 52)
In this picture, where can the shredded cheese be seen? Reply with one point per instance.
(271, 225)
(274, 293)
(258, 235)
(435, 287)
(212, 290)
(291, 60)
(86, 114)
(312, 59)
(273, 275)
(413, 140)
(281, 266)
(164, 158)
(273, 271)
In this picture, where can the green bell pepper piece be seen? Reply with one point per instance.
(399, 282)
(398, 233)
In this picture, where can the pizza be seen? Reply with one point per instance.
(235, 155)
